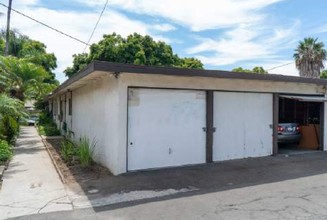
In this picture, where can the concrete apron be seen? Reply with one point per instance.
(31, 184)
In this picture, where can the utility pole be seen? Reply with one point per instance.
(8, 28)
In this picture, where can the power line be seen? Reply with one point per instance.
(96, 25)
(286, 64)
(48, 26)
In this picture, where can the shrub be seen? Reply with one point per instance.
(45, 118)
(86, 151)
(48, 130)
(5, 151)
(51, 130)
(68, 151)
(47, 126)
(9, 128)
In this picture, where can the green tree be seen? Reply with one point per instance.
(135, 49)
(309, 57)
(11, 107)
(80, 61)
(16, 42)
(10, 110)
(257, 69)
(22, 78)
(323, 74)
(22, 46)
(190, 63)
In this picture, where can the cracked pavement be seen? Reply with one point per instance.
(292, 187)
(31, 184)
(300, 198)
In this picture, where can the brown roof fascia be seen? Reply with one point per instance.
(173, 71)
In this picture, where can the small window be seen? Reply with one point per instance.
(61, 104)
(70, 106)
(55, 108)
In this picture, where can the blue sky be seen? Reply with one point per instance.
(223, 34)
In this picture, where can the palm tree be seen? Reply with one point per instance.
(21, 78)
(309, 57)
(11, 107)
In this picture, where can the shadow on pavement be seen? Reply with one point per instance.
(207, 178)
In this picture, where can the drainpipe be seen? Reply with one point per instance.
(71, 116)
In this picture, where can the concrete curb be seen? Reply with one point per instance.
(44, 138)
(3, 168)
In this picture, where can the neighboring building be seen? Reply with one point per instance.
(149, 117)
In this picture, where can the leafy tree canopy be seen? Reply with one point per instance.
(22, 46)
(23, 79)
(257, 69)
(136, 49)
(323, 74)
(11, 107)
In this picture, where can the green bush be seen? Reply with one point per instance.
(9, 128)
(68, 151)
(5, 152)
(46, 125)
(45, 118)
(48, 129)
(86, 151)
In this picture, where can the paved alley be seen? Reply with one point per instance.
(31, 184)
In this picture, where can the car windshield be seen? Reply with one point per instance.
(33, 117)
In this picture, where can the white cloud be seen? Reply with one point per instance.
(196, 14)
(18, 3)
(163, 27)
(319, 30)
(245, 43)
(282, 67)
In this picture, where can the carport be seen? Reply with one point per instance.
(307, 112)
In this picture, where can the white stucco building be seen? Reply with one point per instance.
(151, 117)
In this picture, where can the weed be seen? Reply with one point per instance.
(5, 152)
(86, 151)
(68, 151)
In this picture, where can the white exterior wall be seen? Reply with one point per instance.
(94, 114)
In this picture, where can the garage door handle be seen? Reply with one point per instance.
(205, 129)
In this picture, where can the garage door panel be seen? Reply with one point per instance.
(165, 128)
(242, 122)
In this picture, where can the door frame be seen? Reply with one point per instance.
(276, 97)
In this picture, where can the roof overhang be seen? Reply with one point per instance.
(105, 67)
(306, 98)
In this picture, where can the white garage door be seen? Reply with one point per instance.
(243, 125)
(165, 128)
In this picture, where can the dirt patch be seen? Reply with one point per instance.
(72, 173)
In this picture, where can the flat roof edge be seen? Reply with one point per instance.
(174, 71)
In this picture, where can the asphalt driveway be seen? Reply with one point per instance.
(293, 187)
(282, 187)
